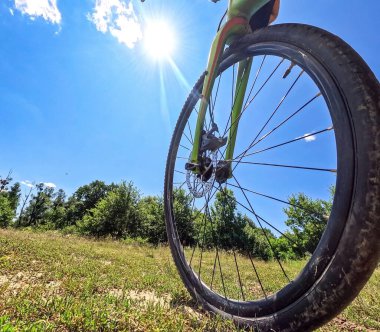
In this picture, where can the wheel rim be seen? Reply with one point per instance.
(240, 291)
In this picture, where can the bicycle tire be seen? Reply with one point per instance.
(349, 249)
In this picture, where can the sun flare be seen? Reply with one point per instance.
(159, 40)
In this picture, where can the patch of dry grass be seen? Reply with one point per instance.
(52, 282)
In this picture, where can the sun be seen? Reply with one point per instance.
(159, 40)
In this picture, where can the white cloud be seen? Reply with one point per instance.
(117, 18)
(49, 184)
(309, 138)
(30, 184)
(27, 183)
(47, 9)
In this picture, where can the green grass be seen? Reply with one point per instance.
(65, 283)
(270, 273)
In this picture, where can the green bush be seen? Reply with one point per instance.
(6, 212)
(115, 215)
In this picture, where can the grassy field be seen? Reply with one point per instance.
(50, 282)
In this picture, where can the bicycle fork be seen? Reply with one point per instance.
(235, 27)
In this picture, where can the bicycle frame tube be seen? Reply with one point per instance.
(244, 70)
(237, 25)
(244, 8)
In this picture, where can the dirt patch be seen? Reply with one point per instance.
(150, 298)
(3, 280)
(192, 312)
(116, 292)
(14, 284)
(255, 289)
(346, 325)
(147, 298)
(53, 284)
(106, 263)
(144, 298)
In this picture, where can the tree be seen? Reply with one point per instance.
(56, 215)
(24, 202)
(307, 219)
(116, 214)
(9, 199)
(229, 225)
(151, 211)
(225, 227)
(204, 230)
(287, 248)
(6, 211)
(84, 199)
(257, 244)
(14, 194)
(36, 212)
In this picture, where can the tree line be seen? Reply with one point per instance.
(120, 211)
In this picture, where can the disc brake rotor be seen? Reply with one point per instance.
(201, 184)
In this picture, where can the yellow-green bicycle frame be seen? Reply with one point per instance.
(238, 15)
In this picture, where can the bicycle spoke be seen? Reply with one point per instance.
(180, 187)
(196, 216)
(233, 104)
(264, 84)
(188, 139)
(201, 255)
(191, 134)
(276, 229)
(192, 255)
(181, 184)
(236, 264)
(279, 200)
(253, 98)
(217, 90)
(255, 80)
(257, 216)
(204, 206)
(185, 147)
(257, 275)
(238, 273)
(287, 119)
(291, 141)
(331, 170)
(216, 237)
(252, 144)
(265, 234)
(182, 249)
(250, 92)
(213, 270)
(276, 109)
(207, 214)
(221, 276)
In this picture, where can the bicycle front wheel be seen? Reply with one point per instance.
(290, 239)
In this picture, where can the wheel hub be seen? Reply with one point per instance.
(223, 171)
(201, 181)
(201, 176)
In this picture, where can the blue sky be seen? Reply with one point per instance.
(81, 100)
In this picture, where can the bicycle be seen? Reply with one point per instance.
(216, 178)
